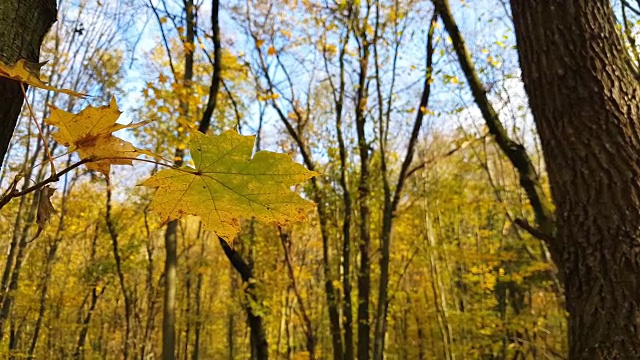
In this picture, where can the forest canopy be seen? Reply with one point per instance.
(302, 179)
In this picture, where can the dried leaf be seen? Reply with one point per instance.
(45, 208)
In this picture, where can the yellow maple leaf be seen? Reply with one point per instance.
(89, 132)
(271, 50)
(227, 183)
(29, 73)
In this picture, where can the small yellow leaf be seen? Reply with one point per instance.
(259, 43)
(426, 111)
(29, 73)
(271, 51)
(89, 132)
(189, 47)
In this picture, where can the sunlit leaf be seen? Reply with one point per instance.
(90, 133)
(227, 184)
(29, 73)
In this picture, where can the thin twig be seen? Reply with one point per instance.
(164, 40)
(628, 6)
(53, 178)
(448, 153)
(537, 233)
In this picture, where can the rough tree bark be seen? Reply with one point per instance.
(585, 97)
(23, 25)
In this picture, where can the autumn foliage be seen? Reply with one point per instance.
(278, 179)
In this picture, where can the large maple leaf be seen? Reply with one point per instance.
(89, 132)
(227, 183)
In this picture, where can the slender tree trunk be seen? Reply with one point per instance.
(195, 355)
(171, 233)
(330, 290)
(128, 305)
(231, 319)
(422, 354)
(259, 344)
(438, 292)
(23, 25)
(364, 246)
(285, 239)
(169, 305)
(585, 97)
(187, 313)
(339, 95)
(94, 296)
(43, 297)
(151, 297)
(82, 338)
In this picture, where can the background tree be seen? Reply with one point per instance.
(457, 195)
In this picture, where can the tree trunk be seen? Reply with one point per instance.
(171, 233)
(364, 192)
(23, 25)
(307, 324)
(84, 331)
(128, 304)
(170, 279)
(585, 97)
(259, 344)
(195, 355)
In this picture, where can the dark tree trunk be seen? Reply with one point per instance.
(258, 338)
(585, 97)
(23, 25)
